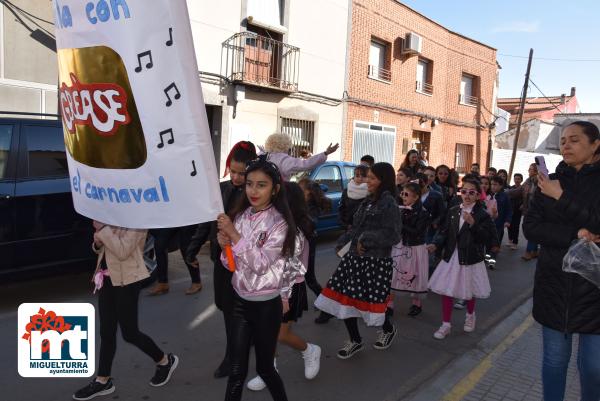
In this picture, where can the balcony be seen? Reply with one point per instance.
(260, 61)
(424, 88)
(380, 74)
(468, 100)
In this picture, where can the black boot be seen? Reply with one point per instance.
(323, 318)
(223, 369)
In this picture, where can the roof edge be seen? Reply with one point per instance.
(443, 27)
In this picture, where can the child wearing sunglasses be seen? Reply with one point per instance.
(411, 261)
(462, 273)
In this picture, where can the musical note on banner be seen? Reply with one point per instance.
(162, 140)
(170, 41)
(177, 93)
(193, 173)
(142, 55)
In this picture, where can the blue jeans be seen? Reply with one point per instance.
(532, 246)
(557, 353)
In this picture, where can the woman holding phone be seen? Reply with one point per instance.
(564, 209)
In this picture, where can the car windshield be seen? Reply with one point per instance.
(300, 175)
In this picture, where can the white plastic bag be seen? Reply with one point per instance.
(583, 258)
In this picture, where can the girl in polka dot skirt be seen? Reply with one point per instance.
(360, 286)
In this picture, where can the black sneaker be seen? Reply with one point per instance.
(350, 348)
(94, 389)
(323, 318)
(385, 339)
(163, 372)
(414, 311)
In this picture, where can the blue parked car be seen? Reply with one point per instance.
(333, 177)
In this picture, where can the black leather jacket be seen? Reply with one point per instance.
(470, 240)
(565, 301)
(208, 231)
(415, 222)
(377, 225)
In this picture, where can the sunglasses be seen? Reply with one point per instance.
(405, 194)
(470, 192)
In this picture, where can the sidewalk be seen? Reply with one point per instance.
(506, 366)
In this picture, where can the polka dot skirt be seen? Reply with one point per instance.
(367, 279)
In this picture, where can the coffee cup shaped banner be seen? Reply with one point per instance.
(101, 123)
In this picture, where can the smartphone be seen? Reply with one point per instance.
(541, 165)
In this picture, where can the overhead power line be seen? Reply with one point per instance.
(572, 60)
(546, 97)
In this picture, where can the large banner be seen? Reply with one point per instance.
(135, 126)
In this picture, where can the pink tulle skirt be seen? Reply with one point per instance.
(460, 281)
(411, 269)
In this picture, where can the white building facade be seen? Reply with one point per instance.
(265, 66)
(272, 66)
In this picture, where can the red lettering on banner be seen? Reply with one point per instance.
(102, 106)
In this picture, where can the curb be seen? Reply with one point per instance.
(461, 375)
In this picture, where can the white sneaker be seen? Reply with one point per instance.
(469, 323)
(258, 384)
(443, 331)
(312, 361)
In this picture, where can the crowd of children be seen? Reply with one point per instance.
(406, 232)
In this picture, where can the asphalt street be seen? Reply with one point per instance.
(192, 327)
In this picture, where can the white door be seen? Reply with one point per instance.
(466, 88)
(376, 57)
(421, 74)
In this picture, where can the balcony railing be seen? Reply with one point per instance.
(468, 100)
(424, 88)
(257, 60)
(380, 73)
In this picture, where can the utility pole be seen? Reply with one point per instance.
(520, 118)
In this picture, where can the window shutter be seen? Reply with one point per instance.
(265, 11)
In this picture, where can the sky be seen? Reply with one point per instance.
(565, 30)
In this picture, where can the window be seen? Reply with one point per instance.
(302, 133)
(424, 76)
(379, 61)
(267, 12)
(468, 90)
(349, 170)
(464, 158)
(376, 140)
(46, 149)
(331, 177)
(5, 138)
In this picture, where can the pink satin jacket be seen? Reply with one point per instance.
(261, 272)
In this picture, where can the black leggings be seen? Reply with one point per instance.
(162, 239)
(118, 306)
(514, 229)
(352, 326)
(254, 323)
(309, 277)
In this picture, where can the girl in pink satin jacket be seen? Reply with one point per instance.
(262, 235)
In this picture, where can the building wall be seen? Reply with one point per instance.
(28, 67)
(451, 54)
(253, 114)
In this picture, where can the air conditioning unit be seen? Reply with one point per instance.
(413, 43)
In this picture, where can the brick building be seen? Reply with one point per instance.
(413, 83)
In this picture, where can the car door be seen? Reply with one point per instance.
(48, 229)
(9, 141)
(329, 176)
